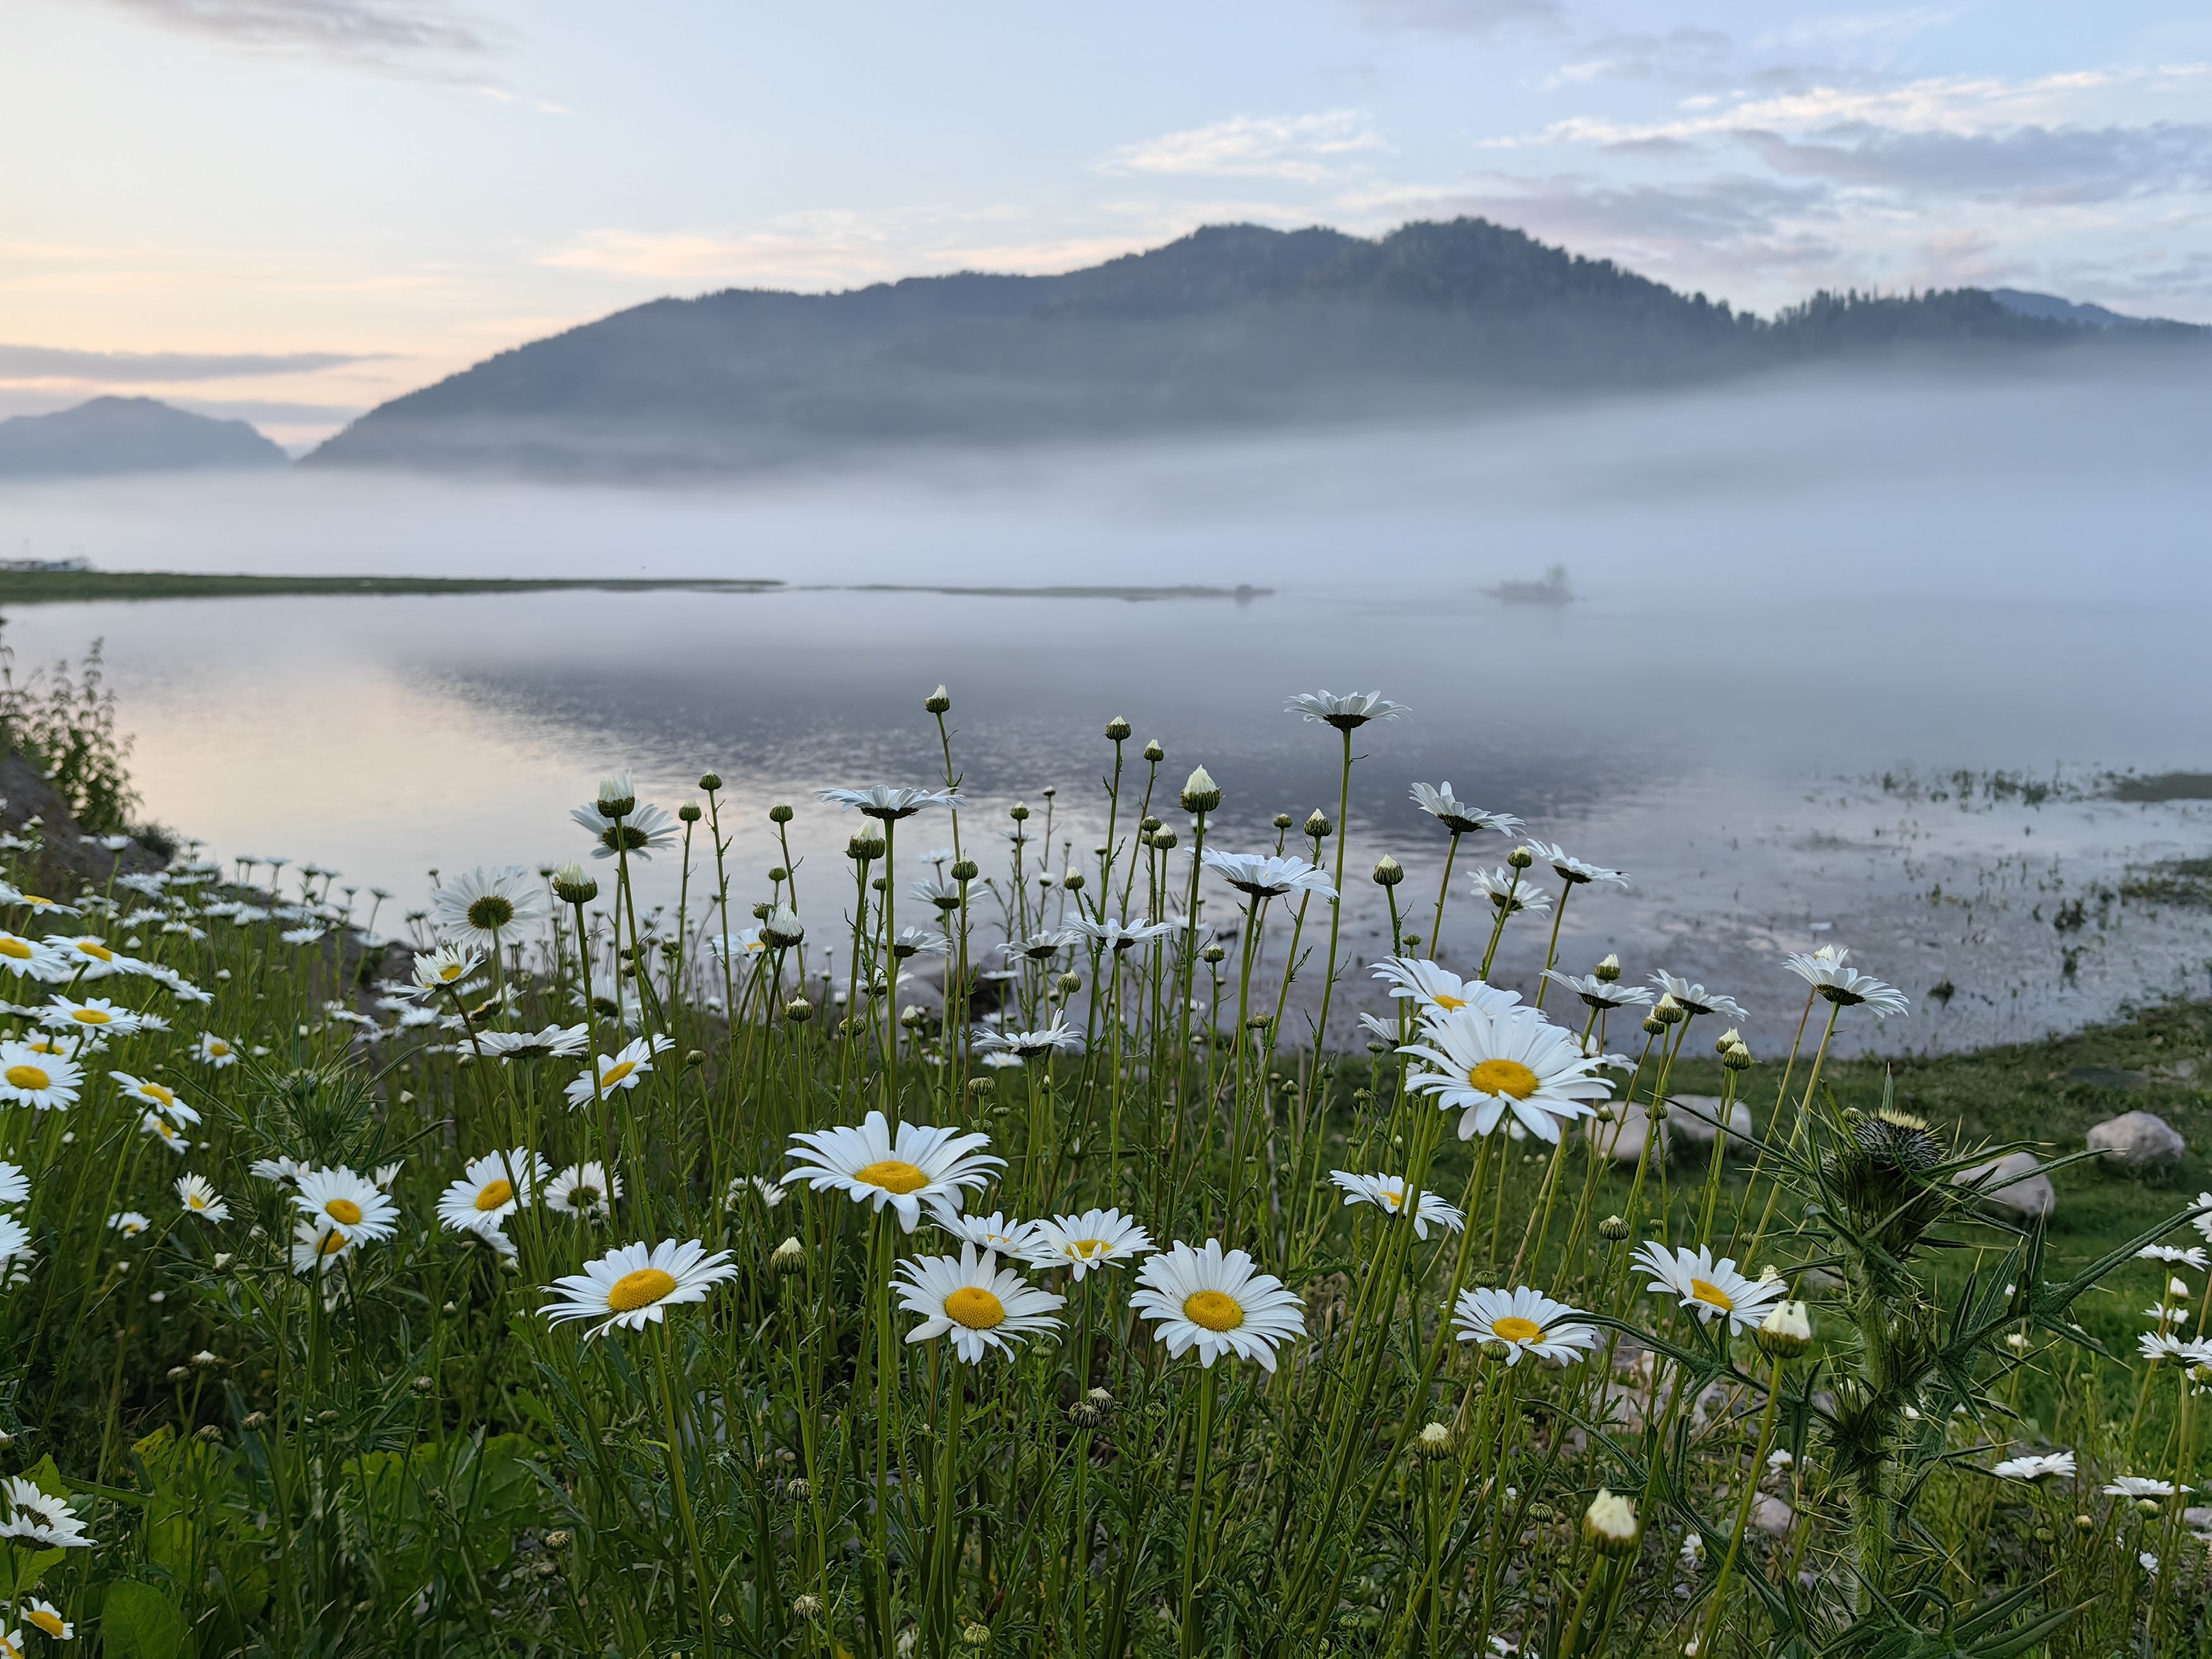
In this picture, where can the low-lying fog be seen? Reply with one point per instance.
(1784, 592)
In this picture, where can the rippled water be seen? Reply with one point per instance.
(1786, 595)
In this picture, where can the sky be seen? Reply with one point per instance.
(289, 211)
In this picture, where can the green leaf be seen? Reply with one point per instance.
(138, 1622)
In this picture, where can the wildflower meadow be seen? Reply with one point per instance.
(973, 1246)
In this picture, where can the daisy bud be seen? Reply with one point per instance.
(178, 1373)
(1786, 1331)
(1520, 857)
(975, 1635)
(966, 870)
(1726, 1040)
(1317, 825)
(787, 1257)
(1085, 1415)
(2085, 1523)
(1070, 984)
(797, 1489)
(1147, 824)
(617, 795)
(1102, 1398)
(799, 1011)
(2178, 1287)
(1164, 840)
(806, 1607)
(572, 886)
(1389, 872)
(1283, 820)
(1200, 793)
(979, 1086)
(1433, 1441)
(938, 701)
(689, 813)
(254, 1421)
(1610, 1524)
(205, 1357)
(560, 1539)
(2017, 1341)
(1117, 729)
(2045, 1535)
(1613, 1229)
(1214, 953)
(1667, 1011)
(1738, 1059)
(710, 781)
(1653, 1024)
(783, 929)
(1607, 971)
(1154, 753)
(2146, 1506)
(1019, 812)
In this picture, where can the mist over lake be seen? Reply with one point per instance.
(1784, 593)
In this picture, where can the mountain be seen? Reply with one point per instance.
(128, 434)
(1232, 325)
(2051, 307)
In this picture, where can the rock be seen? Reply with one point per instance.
(2138, 1139)
(2014, 1181)
(1771, 1514)
(1623, 1141)
(1694, 1119)
(2197, 1518)
(67, 861)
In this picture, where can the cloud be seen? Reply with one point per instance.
(425, 37)
(2034, 165)
(1301, 148)
(27, 363)
(1478, 17)
(1679, 54)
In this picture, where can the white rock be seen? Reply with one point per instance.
(1772, 1515)
(2138, 1139)
(1623, 1140)
(1693, 1117)
(2014, 1181)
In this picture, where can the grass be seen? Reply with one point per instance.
(81, 587)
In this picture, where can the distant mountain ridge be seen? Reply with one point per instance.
(109, 436)
(1233, 326)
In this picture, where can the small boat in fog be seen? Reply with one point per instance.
(1552, 590)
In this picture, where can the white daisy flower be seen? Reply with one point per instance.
(444, 969)
(2034, 1468)
(1484, 1065)
(1847, 986)
(1214, 1301)
(587, 1190)
(1601, 993)
(37, 1517)
(642, 831)
(887, 804)
(33, 959)
(1575, 872)
(46, 1617)
(632, 1287)
(30, 1076)
(2158, 1348)
(94, 1014)
(1456, 816)
(38, 903)
(15, 1244)
(486, 907)
(2137, 1486)
(1059, 1038)
(1416, 979)
(492, 1188)
(1264, 875)
(1525, 1321)
(197, 1194)
(159, 1096)
(1387, 1192)
(1040, 947)
(1697, 999)
(996, 1232)
(313, 934)
(977, 1302)
(1117, 935)
(214, 1051)
(1080, 1243)
(1347, 711)
(1503, 888)
(551, 1041)
(920, 1165)
(2193, 1256)
(319, 1247)
(282, 1170)
(736, 947)
(15, 1185)
(130, 1223)
(624, 1069)
(154, 1124)
(1712, 1289)
(348, 1204)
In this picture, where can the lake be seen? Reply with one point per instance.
(1802, 608)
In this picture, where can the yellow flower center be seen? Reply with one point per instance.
(342, 1210)
(18, 948)
(976, 1308)
(37, 901)
(49, 1622)
(1085, 1248)
(194, 1201)
(638, 1290)
(1447, 1003)
(217, 1050)
(495, 1194)
(28, 1076)
(331, 1244)
(1213, 1311)
(91, 1016)
(1391, 1200)
(101, 951)
(1514, 1329)
(1711, 1294)
(892, 1176)
(155, 1092)
(1504, 1077)
(452, 972)
(615, 1074)
(161, 1128)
